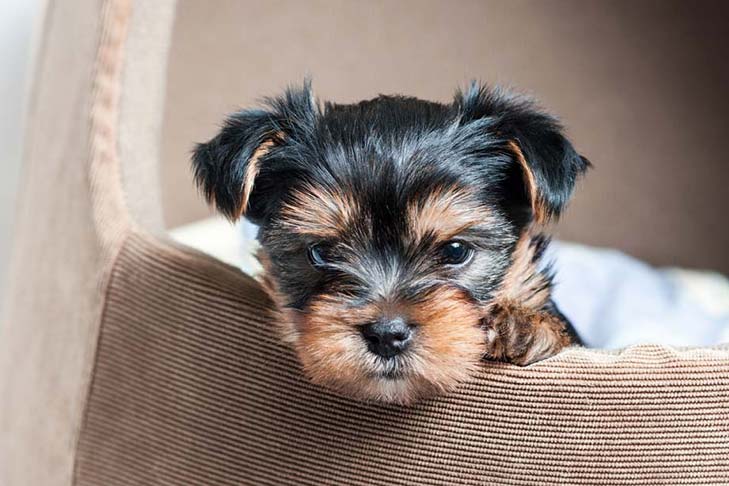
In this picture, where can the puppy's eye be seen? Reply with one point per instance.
(455, 252)
(319, 254)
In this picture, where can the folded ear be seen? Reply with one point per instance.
(226, 167)
(545, 162)
(235, 169)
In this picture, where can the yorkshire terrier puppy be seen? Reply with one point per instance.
(401, 239)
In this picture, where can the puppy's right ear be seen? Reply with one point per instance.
(227, 166)
(242, 170)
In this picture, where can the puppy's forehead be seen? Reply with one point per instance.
(446, 212)
(437, 212)
(321, 212)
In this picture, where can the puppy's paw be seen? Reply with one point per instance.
(523, 336)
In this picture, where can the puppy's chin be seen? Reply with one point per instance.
(447, 347)
(403, 383)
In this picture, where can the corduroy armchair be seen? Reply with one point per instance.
(126, 359)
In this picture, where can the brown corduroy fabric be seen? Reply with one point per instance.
(185, 383)
(192, 387)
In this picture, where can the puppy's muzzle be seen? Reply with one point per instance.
(388, 337)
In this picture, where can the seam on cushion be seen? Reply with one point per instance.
(111, 223)
(110, 214)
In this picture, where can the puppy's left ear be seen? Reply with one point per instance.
(545, 165)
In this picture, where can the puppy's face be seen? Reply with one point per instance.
(388, 226)
(382, 279)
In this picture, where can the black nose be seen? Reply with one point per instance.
(387, 338)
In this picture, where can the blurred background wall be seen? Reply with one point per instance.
(641, 86)
(19, 23)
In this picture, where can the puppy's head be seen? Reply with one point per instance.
(388, 226)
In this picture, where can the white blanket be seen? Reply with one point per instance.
(615, 300)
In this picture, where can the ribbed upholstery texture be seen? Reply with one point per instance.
(192, 387)
(176, 376)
